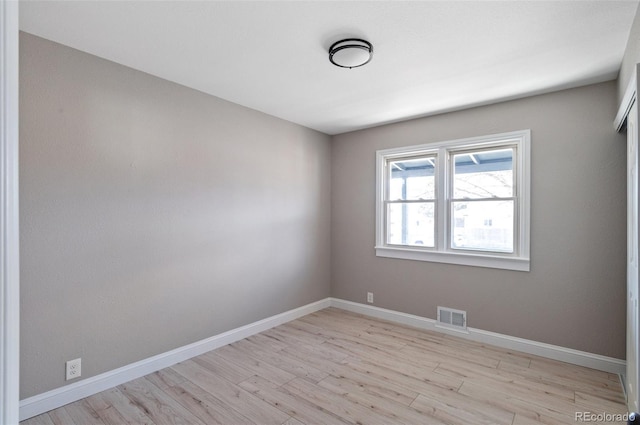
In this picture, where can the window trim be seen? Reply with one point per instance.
(443, 253)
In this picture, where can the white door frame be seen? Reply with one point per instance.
(633, 347)
(627, 101)
(9, 231)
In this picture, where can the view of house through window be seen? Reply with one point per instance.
(411, 207)
(482, 202)
(482, 205)
(455, 198)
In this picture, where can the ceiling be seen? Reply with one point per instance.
(429, 56)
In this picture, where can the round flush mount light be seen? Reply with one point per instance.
(350, 53)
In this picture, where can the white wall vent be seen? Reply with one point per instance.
(453, 319)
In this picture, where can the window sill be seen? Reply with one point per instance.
(465, 259)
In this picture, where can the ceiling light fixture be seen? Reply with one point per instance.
(350, 53)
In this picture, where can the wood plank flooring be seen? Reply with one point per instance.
(335, 367)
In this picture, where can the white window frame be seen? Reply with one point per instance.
(442, 253)
(9, 216)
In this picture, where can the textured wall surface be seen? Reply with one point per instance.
(574, 295)
(153, 216)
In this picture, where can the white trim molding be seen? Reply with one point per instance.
(53, 399)
(555, 352)
(9, 215)
(521, 264)
(440, 155)
(627, 102)
(58, 397)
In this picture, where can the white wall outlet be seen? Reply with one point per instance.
(74, 369)
(370, 297)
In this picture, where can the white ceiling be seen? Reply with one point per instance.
(429, 56)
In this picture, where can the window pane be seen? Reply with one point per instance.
(482, 225)
(483, 174)
(412, 179)
(411, 224)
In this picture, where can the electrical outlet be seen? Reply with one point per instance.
(74, 369)
(370, 297)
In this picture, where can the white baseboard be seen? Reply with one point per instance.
(58, 397)
(555, 352)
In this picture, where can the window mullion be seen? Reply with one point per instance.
(442, 197)
(495, 198)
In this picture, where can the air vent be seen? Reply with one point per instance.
(450, 318)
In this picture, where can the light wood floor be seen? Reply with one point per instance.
(334, 367)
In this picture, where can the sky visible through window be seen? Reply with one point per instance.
(481, 204)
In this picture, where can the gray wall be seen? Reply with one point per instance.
(153, 216)
(631, 57)
(574, 295)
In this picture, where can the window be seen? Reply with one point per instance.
(461, 201)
